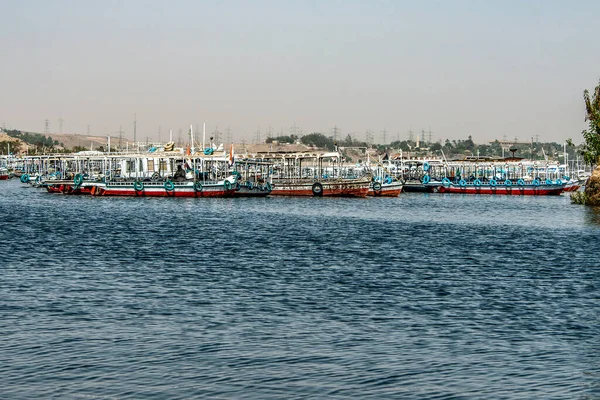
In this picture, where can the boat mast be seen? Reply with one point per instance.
(192, 139)
(203, 135)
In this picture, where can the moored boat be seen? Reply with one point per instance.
(506, 187)
(423, 185)
(315, 174)
(74, 187)
(252, 189)
(168, 188)
(385, 189)
(573, 185)
(253, 177)
(323, 187)
(415, 186)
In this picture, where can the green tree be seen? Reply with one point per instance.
(402, 145)
(281, 139)
(469, 145)
(591, 147)
(15, 147)
(484, 150)
(318, 140)
(435, 146)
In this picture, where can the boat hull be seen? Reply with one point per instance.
(524, 190)
(418, 187)
(69, 187)
(159, 189)
(254, 191)
(328, 188)
(573, 186)
(145, 189)
(387, 190)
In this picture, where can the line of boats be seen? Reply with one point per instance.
(169, 172)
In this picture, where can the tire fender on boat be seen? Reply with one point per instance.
(78, 180)
(559, 182)
(536, 182)
(426, 179)
(462, 183)
(425, 166)
(138, 186)
(508, 182)
(493, 182)
(198, 186)
(169, 186)
(548, 182)
(377, 186)
(446, 182)
(227, 185)
(317, 189)
(477, 182)
(521, 182)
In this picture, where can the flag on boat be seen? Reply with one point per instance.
(231, 157)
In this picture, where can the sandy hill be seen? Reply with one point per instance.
(71, 140)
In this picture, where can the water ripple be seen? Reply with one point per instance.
(419, 297)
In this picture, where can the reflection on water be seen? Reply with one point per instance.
(592, 215)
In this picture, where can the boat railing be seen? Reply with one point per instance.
(161, 183)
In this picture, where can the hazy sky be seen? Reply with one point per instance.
(483, 68)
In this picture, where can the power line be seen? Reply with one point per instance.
(120, 137)
(336, 132)
(296, 131)
(229, 137)
(217, 135)
(258, 135)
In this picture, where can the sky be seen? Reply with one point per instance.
(489, 69)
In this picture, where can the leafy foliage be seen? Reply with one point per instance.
(318, 140)
(15, 147)
(591, 148)
(34, 139)
(282, 139)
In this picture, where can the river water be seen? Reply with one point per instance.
(424, 296)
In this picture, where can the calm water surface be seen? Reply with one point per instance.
(417, 297)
